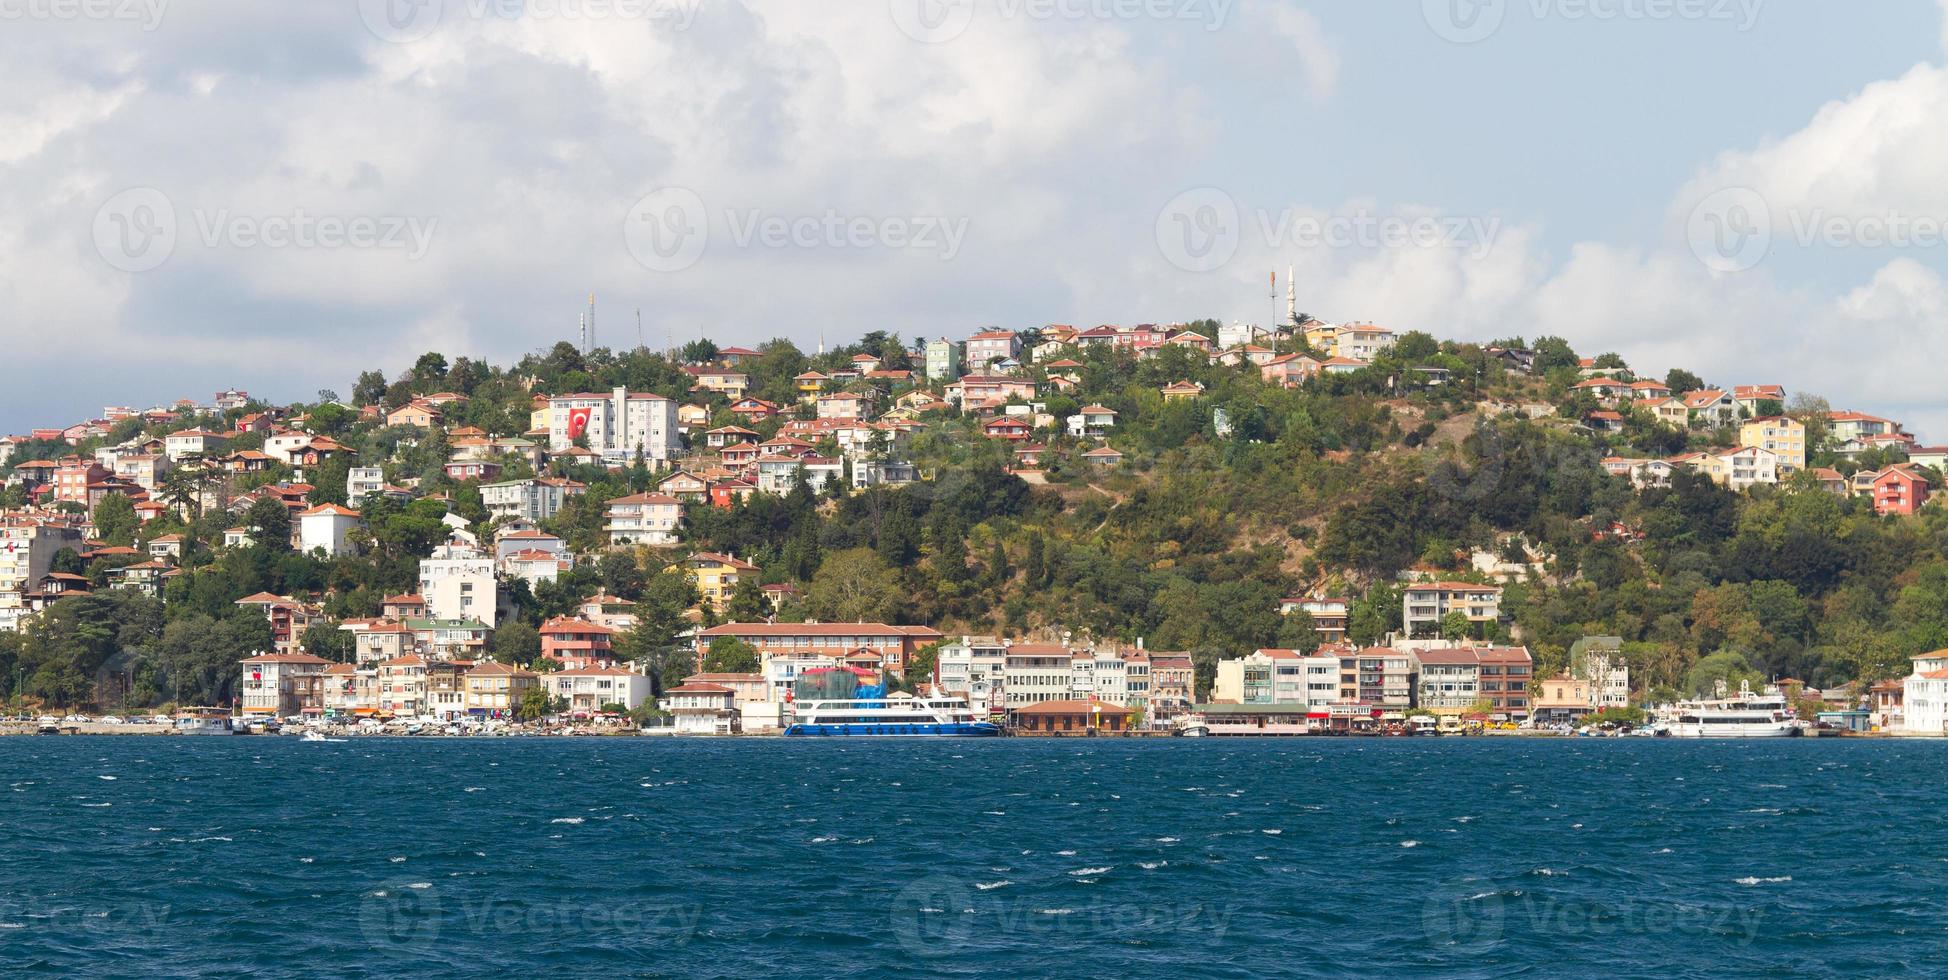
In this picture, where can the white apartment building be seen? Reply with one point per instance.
(532, 500)
(617, 425)
(1278, 677)
(1037, 672)
(27, 550)
(975, 668)
(588, 689)
(644, 518)
(364, 481)
(459, 584)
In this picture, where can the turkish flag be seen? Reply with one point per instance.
(577, 422)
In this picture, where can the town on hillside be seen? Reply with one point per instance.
(1313, 527)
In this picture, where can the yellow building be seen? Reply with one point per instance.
(496, 690)
(1784, 436)
(1323, 337)
(717, 576)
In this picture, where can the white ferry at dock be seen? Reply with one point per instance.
(889, 716)
(1744, 715)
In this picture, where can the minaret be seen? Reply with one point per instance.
(582, 325)
(1291, 296)
(1274, 323)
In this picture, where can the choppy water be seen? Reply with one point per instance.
(653, 857)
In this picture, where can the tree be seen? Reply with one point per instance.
(854, 586)
(115, 520)
(516, 642)
(370, 389)
(730, 655)
(1679, 381)
(431, 366)
(748, 603)
(325, 639)
(1455, 626)
(269, 522)
(535, 704)
(699, 351)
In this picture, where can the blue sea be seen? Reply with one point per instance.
(1001, 857)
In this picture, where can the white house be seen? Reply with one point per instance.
(644, 518)
(326, 527)
(1924, 695)
(702, 708)
(588, 689)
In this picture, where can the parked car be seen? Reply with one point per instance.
(110, 720)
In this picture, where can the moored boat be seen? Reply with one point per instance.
(1744, 715)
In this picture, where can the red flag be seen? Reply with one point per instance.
(577, 422)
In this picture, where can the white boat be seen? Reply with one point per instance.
(890, 715)
(1744, 715)
(205, 721)
(1192, 726)
(313, 735)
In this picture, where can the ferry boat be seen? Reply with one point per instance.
(205, 721)
(887, 716)
(1744, 715)
(853, 701)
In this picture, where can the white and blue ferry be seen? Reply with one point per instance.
(887, 716)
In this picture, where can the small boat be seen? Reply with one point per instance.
(313, 735)
(205, 721)
(48, 725)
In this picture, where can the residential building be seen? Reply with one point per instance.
(702, 708)
(193, 442)
(575, 643)
(281, 685)
(975, 668)
(1094, 421)
(1899, 489)
(288, 617)
(645, 518)
(717, 576)
(1563, 699)
(894, 645)
(365, 481)
(988, 346)
(1425, 604)
(1785, 437)
(617, 426)
(459, 583)
(1599, 660)
(1329, 615)
(1450, 680)
(593, 690)
(402, 686)
(1279, 677)
(495, 690)
(1752, 400)
(1924, 695)
(943, 360)
(327, 528)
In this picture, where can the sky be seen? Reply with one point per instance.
(201, 194)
